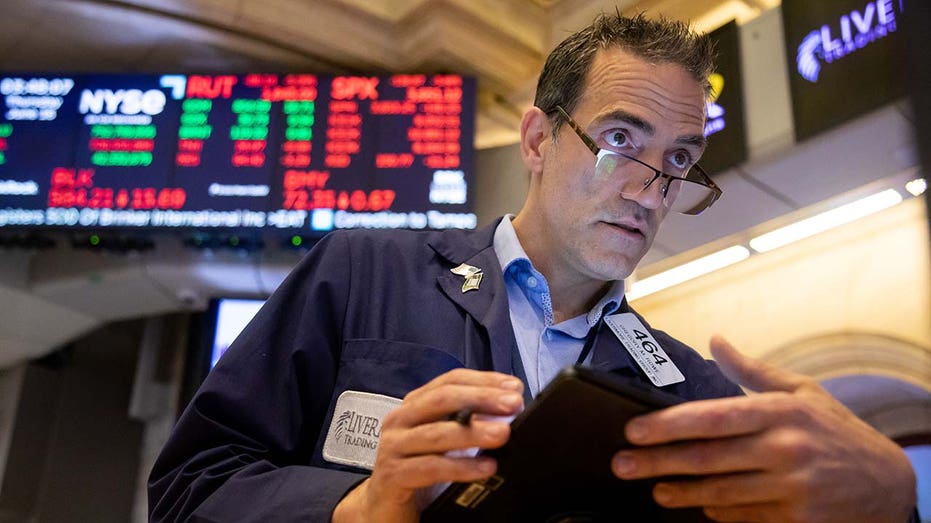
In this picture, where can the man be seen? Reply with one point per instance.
(308, 400)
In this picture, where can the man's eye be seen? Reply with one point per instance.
(681, 160)
(617, 138)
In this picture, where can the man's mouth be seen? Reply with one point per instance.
(628, 227)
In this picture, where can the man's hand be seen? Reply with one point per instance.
(791, 453)
(416, 436)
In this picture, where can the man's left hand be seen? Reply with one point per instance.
(791, 453)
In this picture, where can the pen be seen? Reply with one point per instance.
(462, 416)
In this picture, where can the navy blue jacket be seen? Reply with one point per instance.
(366, 311)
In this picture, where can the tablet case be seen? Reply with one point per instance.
(556, 464)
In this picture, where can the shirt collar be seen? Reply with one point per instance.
(507, 246)
(509, 251)
(614, 297)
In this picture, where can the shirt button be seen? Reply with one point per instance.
(531, 282)
(549, 336)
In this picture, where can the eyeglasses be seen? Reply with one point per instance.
(691, 193)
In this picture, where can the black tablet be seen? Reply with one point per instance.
(556, 466)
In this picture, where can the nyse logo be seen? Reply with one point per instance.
(123, 101)
(853, 31)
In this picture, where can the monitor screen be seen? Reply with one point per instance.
(845, 58)
(210, 334)
(281, 152)
(232, 316)
(724, 121)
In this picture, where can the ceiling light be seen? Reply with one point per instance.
(917, 187)
(826, 220)
(687, 271)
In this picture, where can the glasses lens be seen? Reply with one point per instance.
(606, 164)
(688, 197)
(632, 176)
(683, 196)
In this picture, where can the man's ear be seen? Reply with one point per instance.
(535, 129)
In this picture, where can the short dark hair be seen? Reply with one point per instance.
(661, 41)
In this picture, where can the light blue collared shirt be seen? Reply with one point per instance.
(545, 347)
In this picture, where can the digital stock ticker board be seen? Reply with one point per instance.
(299, 153)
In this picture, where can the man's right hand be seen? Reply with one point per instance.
(416, 436)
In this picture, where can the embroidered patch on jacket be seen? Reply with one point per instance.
(356, 427)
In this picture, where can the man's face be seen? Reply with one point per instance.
(652, 112)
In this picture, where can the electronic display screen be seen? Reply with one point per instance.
(232, 316)
(845, 58)
(297, 153)
(210, 334)
(724, 119)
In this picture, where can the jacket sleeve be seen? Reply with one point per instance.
(243, 448)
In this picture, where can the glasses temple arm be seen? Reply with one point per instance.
(578, 130)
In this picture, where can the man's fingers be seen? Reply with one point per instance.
(476, 378)
(483, 392)
(726, 490)
(706, 419)
(726, 417)
(695, 458)
(751, 373)
(443, 436)
(424, 471)
(439, 402)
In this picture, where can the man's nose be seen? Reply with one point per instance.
(651, 196)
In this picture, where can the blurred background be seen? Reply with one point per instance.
(164, 163)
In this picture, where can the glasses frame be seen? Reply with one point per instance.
(705, 180)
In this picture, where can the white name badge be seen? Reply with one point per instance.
(356, 428)
(641, 345)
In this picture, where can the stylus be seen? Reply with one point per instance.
(462, 416)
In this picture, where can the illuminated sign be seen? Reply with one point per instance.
(714, 112)
(295, 153)
(855, 29)
(724, 111)
(846, 57)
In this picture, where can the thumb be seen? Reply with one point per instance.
(751, 373)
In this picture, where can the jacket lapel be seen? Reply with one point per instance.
(610, 354)
(488, 304)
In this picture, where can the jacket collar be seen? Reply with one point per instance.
(458, 246)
